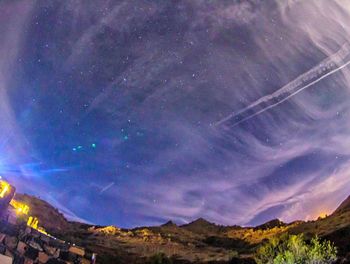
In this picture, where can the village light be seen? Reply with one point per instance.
(21, 208)
(4, 188)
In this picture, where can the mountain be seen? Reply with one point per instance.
(202, 226)
(344, 206)
(197, 242)
(271, 224)
(169, 224)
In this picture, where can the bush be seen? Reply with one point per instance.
(233, 254)
(293, 249)
(160, 258)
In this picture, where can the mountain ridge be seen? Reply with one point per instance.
(199, 241)
(344, 206)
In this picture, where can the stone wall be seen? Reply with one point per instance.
(20, 244)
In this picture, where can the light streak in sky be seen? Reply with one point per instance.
(327, 67)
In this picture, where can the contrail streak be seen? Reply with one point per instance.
(107, 187)
(327, 67)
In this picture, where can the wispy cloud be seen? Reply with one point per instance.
(148, 81)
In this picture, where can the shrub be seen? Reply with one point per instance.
(233, 254)
(160, 258)
(293, 249)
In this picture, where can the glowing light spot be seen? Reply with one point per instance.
(4, 188)
(21, 208)
(93, 145)
(322, 215)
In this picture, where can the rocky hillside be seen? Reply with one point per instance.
(48, 216)
(344, 206)
(197, 242)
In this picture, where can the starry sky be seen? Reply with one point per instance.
(136, 112)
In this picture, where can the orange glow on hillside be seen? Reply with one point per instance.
(322, 215)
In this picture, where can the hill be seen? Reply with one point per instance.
(343, 207)
(49, 216)
(197, 242)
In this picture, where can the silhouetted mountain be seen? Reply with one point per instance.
(169, 224)
(202, 226)
(271, 224)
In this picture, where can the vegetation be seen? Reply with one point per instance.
(293, 249)
(233, 254)
(160, 258)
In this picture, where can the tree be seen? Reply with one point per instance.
(293, 249)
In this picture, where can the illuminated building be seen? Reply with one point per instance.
(33, 222)
(7, 192)
(4, 188)
(21, 208)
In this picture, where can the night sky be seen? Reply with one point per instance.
(136, 112)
